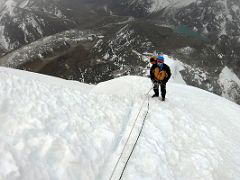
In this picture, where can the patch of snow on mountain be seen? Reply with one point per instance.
(31, 20)
(224, 17)
(58, 13)
(10, 6)
(106, 56)
(186, 50)
(229, 82)
(200, 75)
(23, 26)
(24, 3)
(126, 21)
(235, 8)
(227, 11)
(175, 66)
(160, 4)
(3, 41)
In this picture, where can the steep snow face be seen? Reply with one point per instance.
(57, 129)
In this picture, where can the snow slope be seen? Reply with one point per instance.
(57, 129)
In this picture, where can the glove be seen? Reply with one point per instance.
(154, 81)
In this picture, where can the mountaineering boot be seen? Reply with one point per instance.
(163, 98)
(155, 95)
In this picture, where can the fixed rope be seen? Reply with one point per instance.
(135, 143)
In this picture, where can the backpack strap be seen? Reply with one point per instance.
(161, 66)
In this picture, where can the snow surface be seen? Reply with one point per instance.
(57, 129)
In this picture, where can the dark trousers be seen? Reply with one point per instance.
(156, 88)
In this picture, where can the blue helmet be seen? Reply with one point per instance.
(160, 59)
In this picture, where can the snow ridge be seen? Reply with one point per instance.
(57, 129)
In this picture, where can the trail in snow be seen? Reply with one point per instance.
(186, 139)
(194, 135)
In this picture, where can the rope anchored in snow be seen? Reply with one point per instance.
(118, 174)
(136, 140)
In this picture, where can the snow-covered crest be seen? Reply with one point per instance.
(57, 129)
